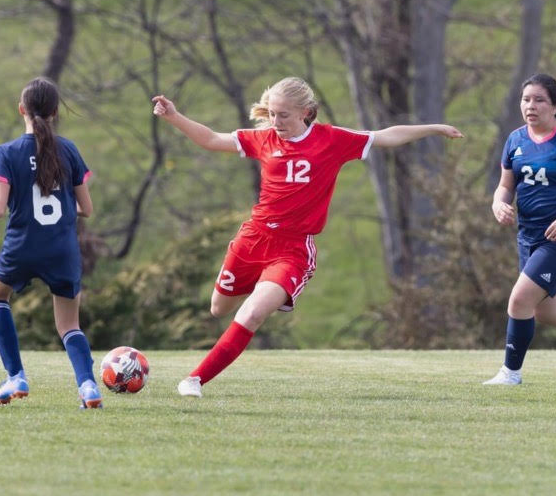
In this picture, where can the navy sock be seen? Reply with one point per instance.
(79, 353)
(519, 335)
(9, 344)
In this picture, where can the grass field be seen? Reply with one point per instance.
(283, 422)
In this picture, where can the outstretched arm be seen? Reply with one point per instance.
(196, 132)
(400, 135)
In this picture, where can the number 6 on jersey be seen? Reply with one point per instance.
(39, 204)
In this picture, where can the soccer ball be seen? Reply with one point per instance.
(124, 370)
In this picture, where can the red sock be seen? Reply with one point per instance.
(230, 345)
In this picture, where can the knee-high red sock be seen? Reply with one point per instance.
(230, 345)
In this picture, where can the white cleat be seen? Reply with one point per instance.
(191, 386)
(505, 377)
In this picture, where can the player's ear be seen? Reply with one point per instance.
(21, 109)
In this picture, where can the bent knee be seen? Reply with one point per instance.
(220, 307)
(252, 316)
(519, 304)
(217, 310)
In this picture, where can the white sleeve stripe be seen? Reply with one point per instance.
(238, 144)
(354, 131)
(370, 134)
(368, 146)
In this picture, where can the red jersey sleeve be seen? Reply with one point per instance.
(250, 141)
(351, 144)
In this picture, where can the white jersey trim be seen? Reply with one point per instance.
(311, 266)
(240, 149)
(369, 143)
(301, 137)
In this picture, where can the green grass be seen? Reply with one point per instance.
(282, 422)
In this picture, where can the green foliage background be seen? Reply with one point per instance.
(158, 296)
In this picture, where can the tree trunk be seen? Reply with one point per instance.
(362, 48)
(429, 19)
(60, 50)
(234, 88)
(510, 116)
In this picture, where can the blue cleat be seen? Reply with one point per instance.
(90, 395)
(14, 387)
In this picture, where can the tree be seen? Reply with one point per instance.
(65, 30)
(428, 29)
(373, 40)
(381, 42)
(510, 116)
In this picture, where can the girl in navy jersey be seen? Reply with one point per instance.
(529, 172)
(43, 183)
(273, 255)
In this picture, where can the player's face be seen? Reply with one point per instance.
(537, 109)
(286, 118)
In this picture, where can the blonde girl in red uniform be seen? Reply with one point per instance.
(273, 255)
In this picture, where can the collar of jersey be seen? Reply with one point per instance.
(542, 140)
(302, 136)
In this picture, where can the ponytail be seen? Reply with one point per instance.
(259, 111)
(40, 99)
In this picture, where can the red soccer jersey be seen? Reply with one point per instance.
(298, 175)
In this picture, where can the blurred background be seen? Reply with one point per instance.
(411, 256)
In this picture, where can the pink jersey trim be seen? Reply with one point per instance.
(545, 139)
(4, 180)
(87, 176)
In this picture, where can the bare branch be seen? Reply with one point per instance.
(61, 48)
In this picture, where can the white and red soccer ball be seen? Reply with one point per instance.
(124, 370)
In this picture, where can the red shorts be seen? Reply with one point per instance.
(258, 253)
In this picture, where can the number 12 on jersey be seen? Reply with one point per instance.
(298, 172)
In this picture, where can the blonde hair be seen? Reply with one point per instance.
(295, 90)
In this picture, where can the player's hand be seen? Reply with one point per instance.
(550, 233)
(504, 213)
(449, 131)
(163, 107)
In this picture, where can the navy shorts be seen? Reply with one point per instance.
(62, 276)
(539, 264)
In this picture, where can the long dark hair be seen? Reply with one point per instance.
(40, 99)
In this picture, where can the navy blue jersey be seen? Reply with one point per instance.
(534, 166)
(41, 233)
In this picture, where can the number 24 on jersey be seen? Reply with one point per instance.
(531, 178)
